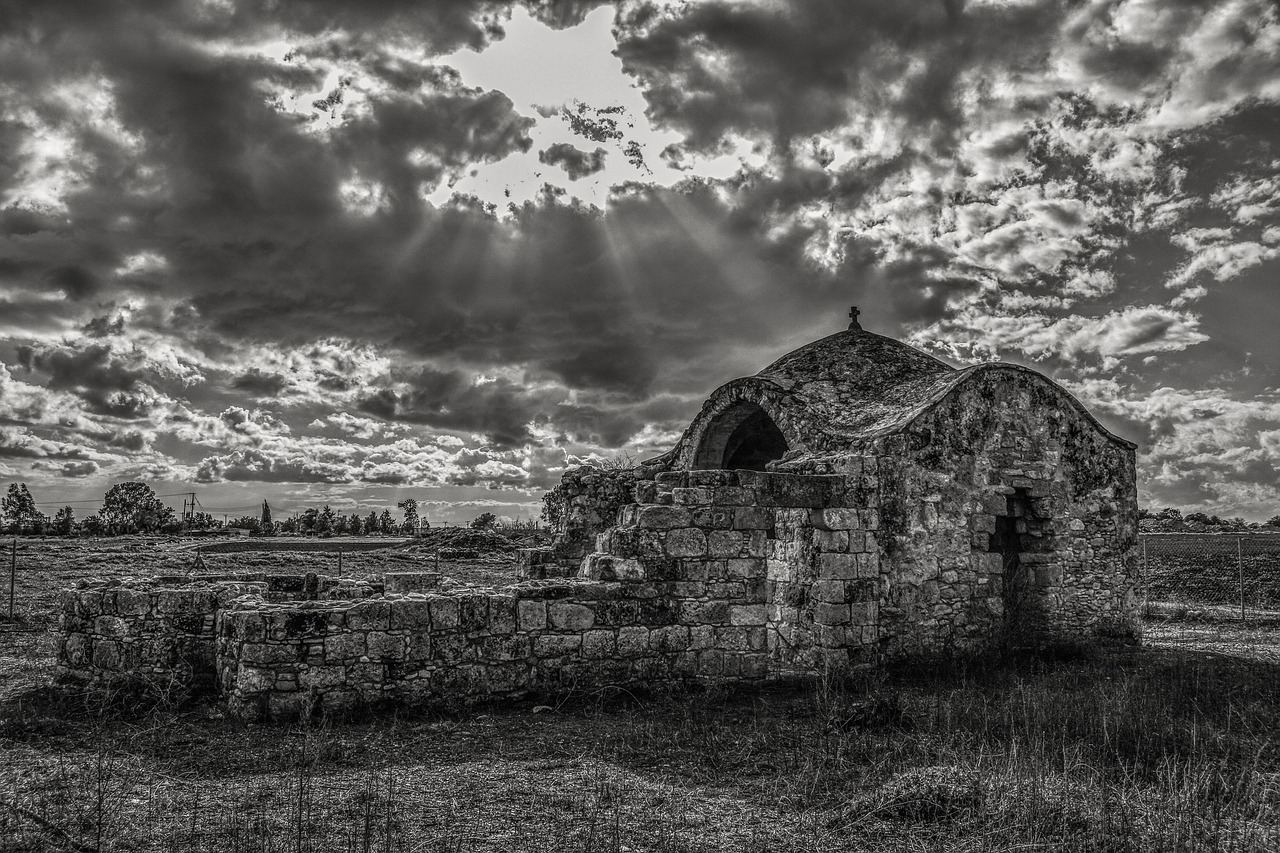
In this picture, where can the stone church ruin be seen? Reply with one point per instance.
(857, 501)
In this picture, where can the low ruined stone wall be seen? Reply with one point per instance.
(585, 503)
(143, 633)
(278, 660)
(160, 631)
(401, 582)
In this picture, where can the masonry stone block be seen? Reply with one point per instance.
(752, 518)
(599, 644)
(692, 496)
(633, 641)
(704, 612)
(746, 567)
(734, 496)
(107, 654)
(863, 613)
(532, 615)
(663, 517)
(733, 639)
(836, 518)
(686, 542)
(251, 679)
(411, 614)
(349, 646)
(321, 677)
(712, 478)
(556, 645)
(726, 543)
(838, 566)
(567, 616)
(712, 517)
(444, 614)
(504, 647)
(747, 614)
(110, 626)
(384, 645)
(669, 638)
(702, 637)
(834, 541)
(502, 614)
(369, 616)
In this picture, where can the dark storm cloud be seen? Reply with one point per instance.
(576, 162)
(94, 368)
(500, 409)
(102, 327)
(107, 382)
(76, 282)
(79, 469)
(260, 383)
(804, 67)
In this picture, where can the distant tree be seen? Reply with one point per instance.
(484, 521)
(371, 523)
(339, 525)
(19, 508)
(248, 522)
(410, 507)
(1273, 521)
(264, 523)
(64, 522)
(93, 526)
(307, 521)
(354, 525)
(325, 521)
(386, 524)
(289, 525)
(134, 508)
(202, 521)
(553, 506)
(1166, 520)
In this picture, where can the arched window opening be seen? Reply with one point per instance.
(743, 437)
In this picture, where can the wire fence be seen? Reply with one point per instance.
(1216, 592)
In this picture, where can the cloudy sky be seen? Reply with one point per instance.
(324, 251)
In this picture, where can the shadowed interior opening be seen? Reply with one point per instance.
(742, 437)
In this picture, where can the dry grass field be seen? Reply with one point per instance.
(1170, 747)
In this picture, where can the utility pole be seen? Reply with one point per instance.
(188, 506)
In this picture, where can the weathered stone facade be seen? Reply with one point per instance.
(948, 510)
(855, 502)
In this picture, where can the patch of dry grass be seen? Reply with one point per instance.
(1146, 750)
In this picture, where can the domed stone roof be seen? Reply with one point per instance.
(861, 362)
(840, 394)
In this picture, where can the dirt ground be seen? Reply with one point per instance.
(1171, 746)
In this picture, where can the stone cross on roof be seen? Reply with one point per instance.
(853, 318)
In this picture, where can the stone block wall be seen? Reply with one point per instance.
(421, 649)
(1003, 453)
(777, 552)
(585, 502)
(144, 633)
(161, 631)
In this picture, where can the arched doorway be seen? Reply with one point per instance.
(742, 437)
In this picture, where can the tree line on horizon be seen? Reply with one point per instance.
(1171, 520)
(133, 507)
